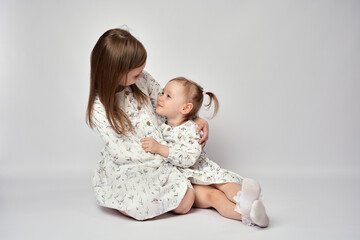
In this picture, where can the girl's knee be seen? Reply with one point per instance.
(186, 203)
(182, 209)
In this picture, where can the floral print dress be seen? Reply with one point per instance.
(141, 184)
(191, 159)
(126, 178)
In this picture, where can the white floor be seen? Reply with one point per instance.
(300, 207)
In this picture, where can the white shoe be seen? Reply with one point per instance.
(258, 214)
(250, 191)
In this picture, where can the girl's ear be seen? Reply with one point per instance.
(187, 108)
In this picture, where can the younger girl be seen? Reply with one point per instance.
(180, 103)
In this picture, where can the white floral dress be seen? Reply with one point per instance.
(191, 159)
(126, 178)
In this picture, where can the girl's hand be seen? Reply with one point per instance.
(150, 145)
(203, 125)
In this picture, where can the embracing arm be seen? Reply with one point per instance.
(153, 87)
(203, 125)
(154, 90)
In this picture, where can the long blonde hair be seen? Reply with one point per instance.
(114, 55)
(195, 95)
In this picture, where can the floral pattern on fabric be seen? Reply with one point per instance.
(186, 153)
(126, 178)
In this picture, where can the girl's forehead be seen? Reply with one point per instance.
(175, 88)
(173, 85)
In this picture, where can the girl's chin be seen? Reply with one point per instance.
(158, 111)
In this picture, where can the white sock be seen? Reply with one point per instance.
(258, 214)
(250, 191)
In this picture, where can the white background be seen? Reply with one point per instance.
(286, 74)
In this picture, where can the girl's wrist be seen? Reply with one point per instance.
(163, 150)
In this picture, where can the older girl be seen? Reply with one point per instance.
(121, 107)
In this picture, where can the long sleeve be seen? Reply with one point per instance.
(184, 148)
(153, 87)
(154, 90)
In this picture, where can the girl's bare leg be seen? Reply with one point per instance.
(209, 196)
(186, 203)
(230, 189)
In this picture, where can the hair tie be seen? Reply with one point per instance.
(203, 92)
